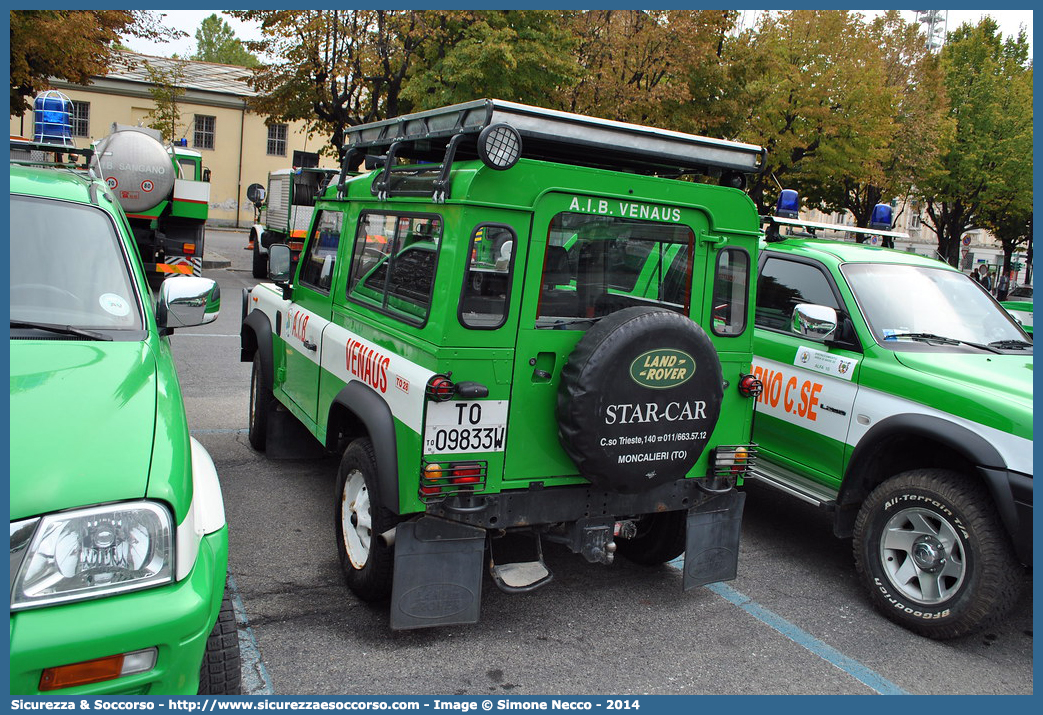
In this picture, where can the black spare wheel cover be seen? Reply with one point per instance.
(638, 400)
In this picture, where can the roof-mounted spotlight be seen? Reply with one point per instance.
(499, 146)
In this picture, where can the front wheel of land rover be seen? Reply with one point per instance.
(931, 551)
(261, 399)
(360, 520)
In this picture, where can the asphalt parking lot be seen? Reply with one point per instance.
(794, 621)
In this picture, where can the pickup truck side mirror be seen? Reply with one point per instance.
(815, 321)
(185, 301)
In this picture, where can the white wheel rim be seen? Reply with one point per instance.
(923, 556)
(356, 521)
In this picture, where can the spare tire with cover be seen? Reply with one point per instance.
(639, 398)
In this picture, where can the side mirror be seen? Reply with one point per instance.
(279, 263)
(255, 194)
(185, 301)
(206, 175)
(814, 321)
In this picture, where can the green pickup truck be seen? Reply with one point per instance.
(898, 395)
(515, 331)
(119, 546)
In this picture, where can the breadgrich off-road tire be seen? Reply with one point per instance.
(931, 551)
(220, 673)
(639, 398)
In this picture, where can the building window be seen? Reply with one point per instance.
(203, 137)
(81, 115)
(276, 140)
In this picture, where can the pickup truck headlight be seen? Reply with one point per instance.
(89, 553)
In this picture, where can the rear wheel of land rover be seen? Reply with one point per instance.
(639, 398)
(261, 399)
(931, 551)
(360, 520)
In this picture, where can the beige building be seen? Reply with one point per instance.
(236, 144)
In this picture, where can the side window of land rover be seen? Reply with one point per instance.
(393, 264)
(783, 284)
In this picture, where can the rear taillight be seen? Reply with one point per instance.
(440, 388)
(733, 462)
(750, 386)
(439, 480)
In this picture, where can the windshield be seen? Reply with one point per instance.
(899, 300)
(67, 267)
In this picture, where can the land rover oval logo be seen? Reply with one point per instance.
(662, 368)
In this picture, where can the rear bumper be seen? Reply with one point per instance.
(552, 505)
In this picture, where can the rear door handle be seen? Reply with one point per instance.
(310, 345)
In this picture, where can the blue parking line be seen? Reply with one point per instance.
(866, 675)
(255, 675)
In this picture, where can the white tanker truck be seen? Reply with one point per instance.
(165, 192)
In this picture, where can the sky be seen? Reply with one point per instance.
(189, 21)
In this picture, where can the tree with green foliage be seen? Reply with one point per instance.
(806, 85)
(988, 81)
(910, 133)
(334, 68)
(73, 45)
(1007, 204)
(522, 56)
(167, 86)
(216, 42)
(640, 66)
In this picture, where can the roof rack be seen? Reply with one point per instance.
(31, 153)
(440, 135)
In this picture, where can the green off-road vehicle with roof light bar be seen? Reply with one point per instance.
(119, 546)
(898, 395)
(514, 330)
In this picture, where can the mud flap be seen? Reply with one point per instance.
(438, 573)
(287, 438)
(712, 545)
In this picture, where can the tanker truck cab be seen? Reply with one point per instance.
(898, 397)
(514, 332)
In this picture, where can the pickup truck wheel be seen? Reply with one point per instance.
(660, 538)
(261, 399)
(260, 262)
(221, 670)
(359, 521)
(931, 551)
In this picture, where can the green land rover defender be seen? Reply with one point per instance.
(521, 326)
